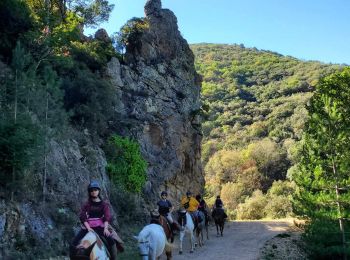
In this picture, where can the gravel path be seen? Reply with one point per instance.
(242, 240)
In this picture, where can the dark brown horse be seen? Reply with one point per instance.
(219, 217)
(169, 235)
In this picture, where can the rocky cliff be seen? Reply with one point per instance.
(158, 94)
(159, 91)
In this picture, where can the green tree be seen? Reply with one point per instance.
(19, 134)
(91, 12)
(324, 171)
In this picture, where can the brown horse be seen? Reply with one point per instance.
(219, 217)
(169, 235)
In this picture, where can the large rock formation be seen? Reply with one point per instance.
(159, 89)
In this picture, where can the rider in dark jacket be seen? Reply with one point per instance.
(219, 206)
(165, 207)
(218, 202)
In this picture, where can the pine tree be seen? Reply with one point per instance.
(324, 172)
(18, 132)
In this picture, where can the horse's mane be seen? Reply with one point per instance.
(147, 230)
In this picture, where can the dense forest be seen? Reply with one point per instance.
(254, 107)
(276, 140)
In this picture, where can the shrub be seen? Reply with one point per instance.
(131, 32)
(253, 207)
(126, 166)
(278, 207)
(231, 194)
(280, 199)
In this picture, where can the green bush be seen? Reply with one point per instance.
(278, 207)
(126, 166)
(131, 32)
(253, 207)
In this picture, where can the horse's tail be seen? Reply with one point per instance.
(169, 246)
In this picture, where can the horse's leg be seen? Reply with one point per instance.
(168, 255)
(217, 229)
(202, 237)
(222, 228)
(181, 238)
(198, 236)
(168, 251)
(207, 230)
(192, 241)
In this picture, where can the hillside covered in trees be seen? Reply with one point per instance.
(254, 108)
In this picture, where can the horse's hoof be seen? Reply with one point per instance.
(180, 253)
(191, 251)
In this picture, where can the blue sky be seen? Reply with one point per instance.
(305, 29)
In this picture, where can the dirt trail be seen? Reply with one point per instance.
(242, 240)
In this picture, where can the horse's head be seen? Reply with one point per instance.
(151, 241)
(82, 252)
(91, 247)
(144, 246)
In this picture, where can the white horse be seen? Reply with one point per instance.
(152, 241)
(188, 228)
(92, 247)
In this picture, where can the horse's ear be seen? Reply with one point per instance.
(136, 237)
(89, 249)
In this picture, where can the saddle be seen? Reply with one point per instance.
(182, 219)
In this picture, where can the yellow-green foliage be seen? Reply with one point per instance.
(253, 207)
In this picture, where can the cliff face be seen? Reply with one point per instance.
(158, 93)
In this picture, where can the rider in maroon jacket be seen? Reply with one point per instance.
(95, 215)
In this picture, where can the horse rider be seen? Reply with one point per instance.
(191, 205)
(219, 205)
(218, 202)
(95, 215)
(164, 209)
(202, 205)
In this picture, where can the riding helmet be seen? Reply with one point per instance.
(188, 193)
(164, 193)
(94, 185)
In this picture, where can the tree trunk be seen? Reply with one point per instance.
(15, 121)
(340, 214)
(45, 145)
